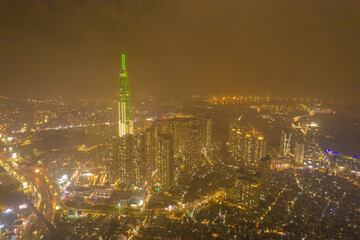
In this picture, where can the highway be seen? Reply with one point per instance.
(46, 211)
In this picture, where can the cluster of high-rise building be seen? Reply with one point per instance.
(246, 144)
(247, 147)
(152, 156)
(301, 142)
(191, 135)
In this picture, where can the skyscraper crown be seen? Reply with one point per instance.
(123, 62)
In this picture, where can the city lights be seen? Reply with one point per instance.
(242, 120)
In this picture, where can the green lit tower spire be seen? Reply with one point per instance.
(123, 62)
(124, 107)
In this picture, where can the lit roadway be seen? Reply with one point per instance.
(39, 184)
(47, 213)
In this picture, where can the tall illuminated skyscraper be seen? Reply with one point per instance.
(124, 108)
(285, 143)
(311, 144)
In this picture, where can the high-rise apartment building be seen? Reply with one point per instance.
(126, 159)
(247, 188)
(151, 152)
(119, 160)
(266, 176)
(139, 160)
(264, 168)
(251, 184)
(166, 161)
(299, 152)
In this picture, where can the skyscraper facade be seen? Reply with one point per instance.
(166, 161)
(311, 145)
(139, 159)
(299, 153)
(124, 107)
(285, 143)
(119, 160)
(151, 152)
(298, 134)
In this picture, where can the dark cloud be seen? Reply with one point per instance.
(180, 47)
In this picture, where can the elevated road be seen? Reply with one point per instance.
(45, 194)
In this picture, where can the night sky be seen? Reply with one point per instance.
(176, 48)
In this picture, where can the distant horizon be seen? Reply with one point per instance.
(183, 97)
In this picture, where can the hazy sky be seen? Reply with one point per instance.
(174, 48)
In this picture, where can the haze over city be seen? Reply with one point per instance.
(178, 48)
